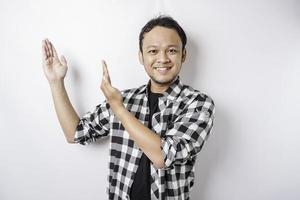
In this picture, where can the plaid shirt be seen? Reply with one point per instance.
(184, 122)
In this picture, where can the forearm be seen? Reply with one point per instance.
(145, 138)
(67, 116)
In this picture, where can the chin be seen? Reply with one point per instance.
(163, 81)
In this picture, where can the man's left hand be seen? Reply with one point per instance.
(112, 94)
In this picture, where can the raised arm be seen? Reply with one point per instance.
(55, 70)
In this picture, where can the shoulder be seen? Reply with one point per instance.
(196, 97)
(133, 92)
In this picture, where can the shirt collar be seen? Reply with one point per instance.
(171, 93)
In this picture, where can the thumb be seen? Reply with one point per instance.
(63, 60)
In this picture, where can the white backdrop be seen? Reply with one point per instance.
(245, 54)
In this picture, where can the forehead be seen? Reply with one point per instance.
(161, 36)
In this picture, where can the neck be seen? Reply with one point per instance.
(158, 88)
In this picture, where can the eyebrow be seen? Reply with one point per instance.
(172, 45)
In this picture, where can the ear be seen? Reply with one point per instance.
(141, 58)
(183, 55)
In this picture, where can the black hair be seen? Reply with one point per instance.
(164, 21)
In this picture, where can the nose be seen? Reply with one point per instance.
(163, 57)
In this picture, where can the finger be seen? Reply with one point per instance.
(103, 86)
(105, 71)
(104, 67)
(45, 48)
(50, 48)
(54, 53)
(44, 51)
(63, 60)
(104, 78)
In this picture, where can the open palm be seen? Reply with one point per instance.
(54, 68)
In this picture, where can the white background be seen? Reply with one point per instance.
(244, 54)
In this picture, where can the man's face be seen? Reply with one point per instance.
(162, 55)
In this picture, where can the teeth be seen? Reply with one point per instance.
(162, 68)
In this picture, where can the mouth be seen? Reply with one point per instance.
(162, 69)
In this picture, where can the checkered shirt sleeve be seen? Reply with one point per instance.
(93, 125)
(188, 132)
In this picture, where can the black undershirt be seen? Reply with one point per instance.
(140, 188)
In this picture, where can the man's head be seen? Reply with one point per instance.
(163, 21)
(162, 50)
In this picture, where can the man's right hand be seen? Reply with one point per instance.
(55, 69)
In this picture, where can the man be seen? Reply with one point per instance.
(156, 129)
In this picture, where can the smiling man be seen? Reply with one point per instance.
(156, 130)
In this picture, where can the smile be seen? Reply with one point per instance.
(162, 69)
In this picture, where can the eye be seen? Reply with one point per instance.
(152, 51)
(173, 51)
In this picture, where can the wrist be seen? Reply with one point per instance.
(56, 84)
(119, 109)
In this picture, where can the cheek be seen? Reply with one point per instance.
(147, 64)
(176, 60)
(148, 61)
(179, 61)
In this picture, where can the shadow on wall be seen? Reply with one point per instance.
(212, 155)
(190, 68)
(76, 80)
(213, 151)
